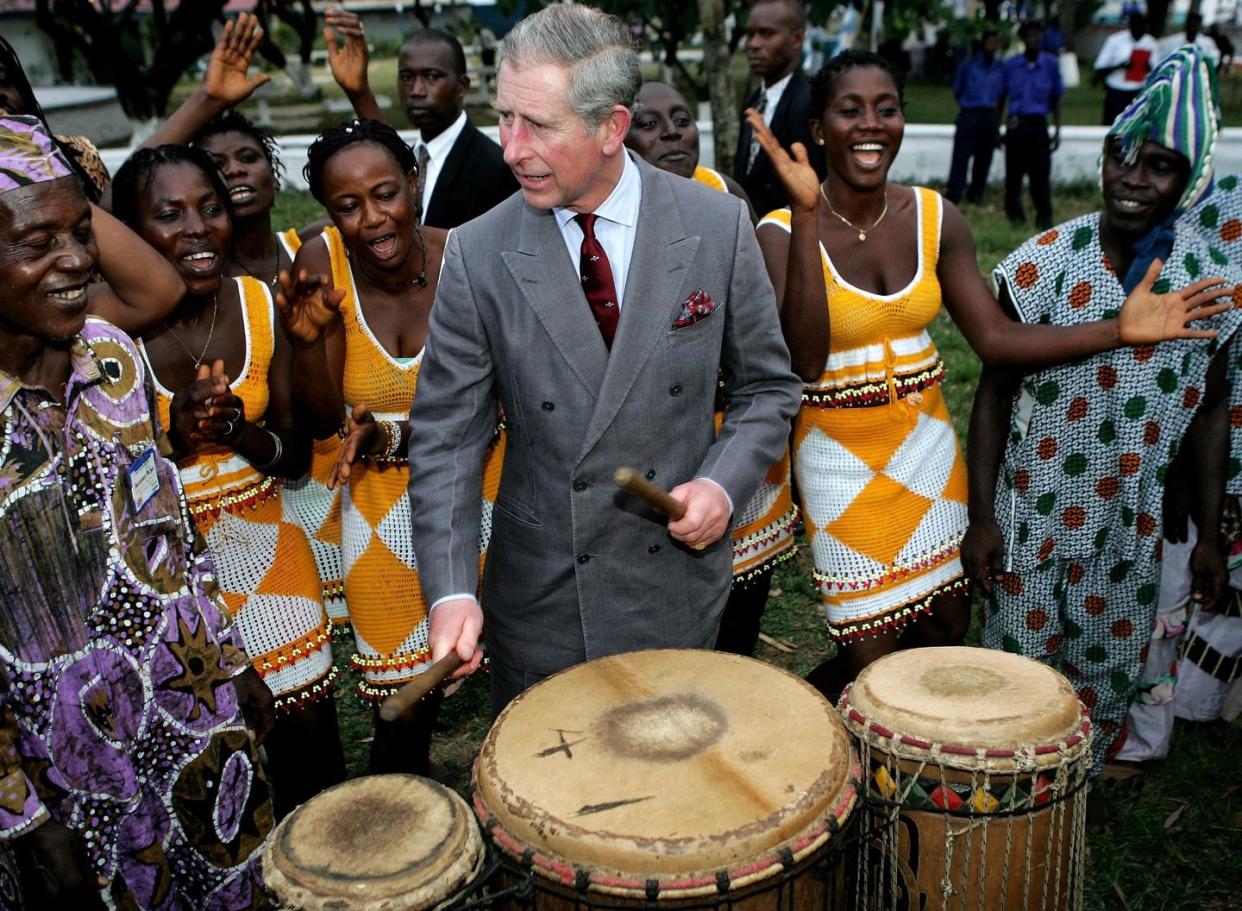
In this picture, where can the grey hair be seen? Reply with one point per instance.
(595, 47)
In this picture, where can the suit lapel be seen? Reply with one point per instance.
(658, 271)
(545, 274)
(446, 183)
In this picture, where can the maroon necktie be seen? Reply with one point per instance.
(597, 284)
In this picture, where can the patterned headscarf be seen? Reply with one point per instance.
(28, 154)
(1179, 109)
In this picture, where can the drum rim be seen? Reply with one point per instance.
(672, 887)
(1022, 756)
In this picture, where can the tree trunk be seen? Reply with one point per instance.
(1157, 16)
(716, 60)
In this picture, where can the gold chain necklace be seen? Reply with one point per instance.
(862, 232)
(198, 361)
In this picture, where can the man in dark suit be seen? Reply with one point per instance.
(462, 173)
(598, 308)
(774, 33)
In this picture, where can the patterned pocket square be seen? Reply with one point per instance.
(698, 306)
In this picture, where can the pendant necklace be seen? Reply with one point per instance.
(198, 361)
(862, 232)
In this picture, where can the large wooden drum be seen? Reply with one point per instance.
(976, 765)
(382, 843)
(667, 777)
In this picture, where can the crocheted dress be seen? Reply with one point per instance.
(386, 605)
(879, 469)
(318, 509)
(763, 532)
(267, 572)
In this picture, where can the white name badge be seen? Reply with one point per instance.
(144, 480)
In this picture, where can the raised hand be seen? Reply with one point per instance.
(348, 58)
(1148, 317)
(226, 80)
(796, 174)
(361, 432)
(307, 305)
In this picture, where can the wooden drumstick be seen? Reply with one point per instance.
(629, 480)
(392, 708)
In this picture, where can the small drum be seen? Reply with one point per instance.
(669, 777)
(382, 843)
(977, 763)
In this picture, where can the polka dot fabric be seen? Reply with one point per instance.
(1091, 441)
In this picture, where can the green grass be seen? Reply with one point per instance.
(1150, 860)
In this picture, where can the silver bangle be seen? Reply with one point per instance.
(275, 459)
(393, 430)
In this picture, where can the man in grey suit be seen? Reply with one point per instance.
(597, 308)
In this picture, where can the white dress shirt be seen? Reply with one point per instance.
(614, 229)
(437, 151)
(774, 93)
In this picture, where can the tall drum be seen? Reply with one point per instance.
(976, 765)
(670, 777)
(381, 843)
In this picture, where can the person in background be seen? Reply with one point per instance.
(461, 173)
(1068, 464)
(978, 86)
(1223, 45)
(774, 32)
(1192, 33)
(1123, 64)
(250, 165)
(232, 469)
(664, 134)
(1032, 89)
(129, 711)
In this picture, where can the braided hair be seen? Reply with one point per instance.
(234, 121)
(134, 179)
(341, 136)
(825, 81)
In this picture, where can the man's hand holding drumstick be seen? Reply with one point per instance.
(457, 624)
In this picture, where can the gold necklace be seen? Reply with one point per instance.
(862, 232)
(215, 308)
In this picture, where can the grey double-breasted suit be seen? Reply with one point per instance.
(576, 569)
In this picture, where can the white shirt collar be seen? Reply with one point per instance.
(622, 203)
(776, 89)
(438, 147)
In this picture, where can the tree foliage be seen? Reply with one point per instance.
(139, 46)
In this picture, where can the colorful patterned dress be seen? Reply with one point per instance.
(267, 572)
(119, 715)
(386, 606)
(879, 469)
(1079, 496)
(317, 507)
(763, 532)
(1196, 655)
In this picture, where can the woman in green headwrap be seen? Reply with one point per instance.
(1068, 464)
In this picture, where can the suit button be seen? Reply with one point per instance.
(584, 558)
(650, 473)
(674, 389)
(581, 486)
(549, 406)
(653, 549)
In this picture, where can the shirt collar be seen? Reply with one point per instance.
(439, 147)
(622, 203)
(776, 89)
(83, 370)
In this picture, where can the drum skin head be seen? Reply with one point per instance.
(664, 763)
(380, 843)
(972, 697)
